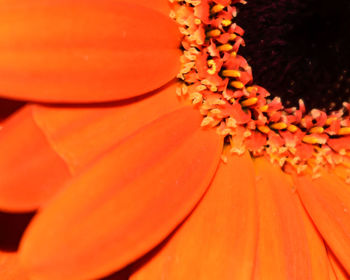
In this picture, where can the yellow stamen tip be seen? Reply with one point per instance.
(264, 108)
(344, 131)
(309, 139)
(317, 129)
(197, 21)
(249, 102)
(252, 89)
(225, 48)
(279, 125)
(213, 33)
(264, 129)
(217, 8)
(330, 120)
(212, 65)
(231, 73)
(237, 84)
(292, 128)
(226, 22)
(233, 36)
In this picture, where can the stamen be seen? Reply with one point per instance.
(264, 129)
(213, 33)
(226, 22)
(292, 128)
(232, 37)
(219, 81)
(311, 139)
(225, 48)
(231, 73)
(217, 8)
(344, 131)
(317, 129)
(264, 108)
(279, 126)
(249, 102)
(212, 65)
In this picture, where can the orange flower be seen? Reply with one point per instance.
(113, 180)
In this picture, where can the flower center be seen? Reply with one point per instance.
(299, 50)
(219, 82)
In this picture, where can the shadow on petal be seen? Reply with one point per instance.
(12, 227)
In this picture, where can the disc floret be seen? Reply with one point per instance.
(219, 81)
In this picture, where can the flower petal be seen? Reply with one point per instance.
(89, 51)
(327, 201)
(338, 270)
(218, 241)
(126, 203)
(80, 135)
(319, 260)
(26, 159)
(9, 267)
(284, 251)
(158, 5)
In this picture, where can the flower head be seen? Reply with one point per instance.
(209, 174)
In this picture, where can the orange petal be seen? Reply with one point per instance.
(89, 51)
(80, 135)
(25, 162)
(158, 5)
(327, 201)
(332, 275)
(218, 241)
(126, 203)
(319, 262)
(284, 251)
(9, 267)
(338, 270)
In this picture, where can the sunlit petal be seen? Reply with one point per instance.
(62, 141)
(80, 135)
(285, 242)
(126, 203)
(69, 51)
(158, 5)
(218, 241)
(327, 201)
(10, 268)
(30, 170)
(338, 270)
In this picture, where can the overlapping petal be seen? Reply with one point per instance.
(80, 135)
(337, 269)
(30, 170)
(62, 141)
(126, 203)
(288, 246)
(327, 200)
(131, 171)
(218, 241)
(89, 51)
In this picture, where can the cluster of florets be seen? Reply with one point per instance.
(220, 83)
